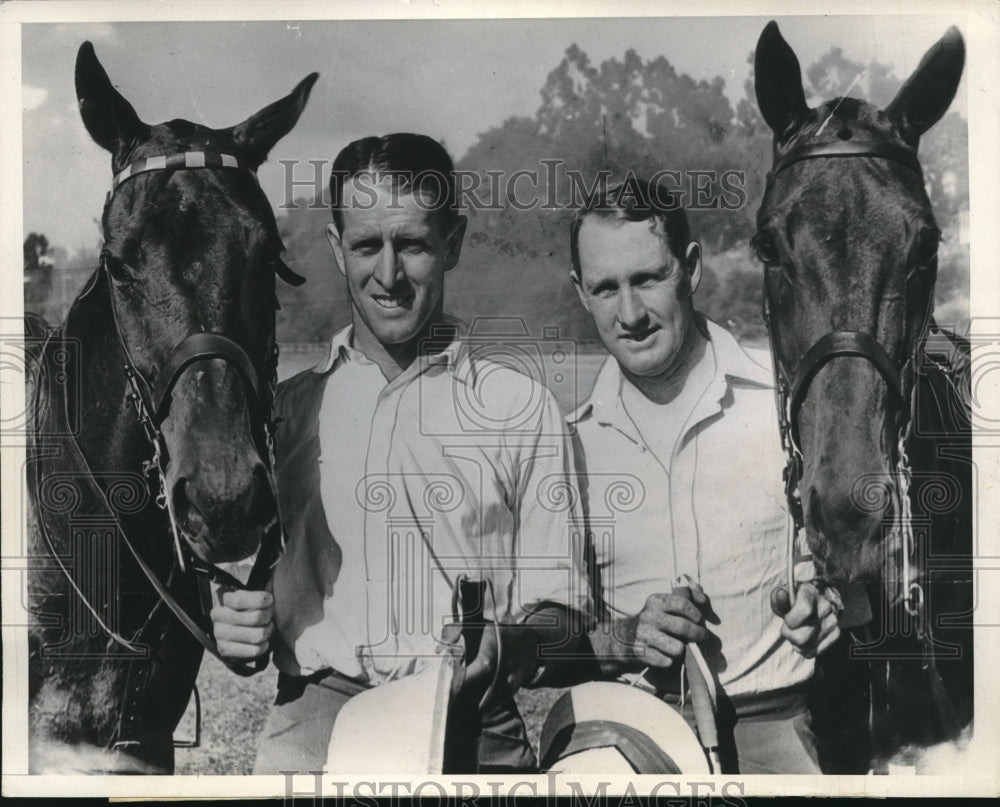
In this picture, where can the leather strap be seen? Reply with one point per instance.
(846, 148)
(835, 345)
(206, 641)
(194, 348)
(641, 753)
(180, 160)
(563, 736)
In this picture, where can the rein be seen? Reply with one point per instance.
(791, 390)
(152, 406)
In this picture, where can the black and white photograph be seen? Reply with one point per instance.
(427, 399)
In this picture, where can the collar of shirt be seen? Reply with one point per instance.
(732, 366)
(455, 354)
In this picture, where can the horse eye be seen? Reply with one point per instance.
(120, 271)
(764, 248)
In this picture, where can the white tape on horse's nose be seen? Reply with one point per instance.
(240, 569)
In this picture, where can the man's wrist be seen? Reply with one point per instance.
(613, 643)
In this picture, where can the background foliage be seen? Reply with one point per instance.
(620, 115)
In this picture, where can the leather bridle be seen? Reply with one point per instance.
(791, 387)
(847, 148)
(152, 405)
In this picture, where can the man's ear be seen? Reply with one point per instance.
(333, 236)
(692, 264)
(455, 239)
(578, 285)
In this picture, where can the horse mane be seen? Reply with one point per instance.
(82, 308)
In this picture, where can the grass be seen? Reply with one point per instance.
(233, 710)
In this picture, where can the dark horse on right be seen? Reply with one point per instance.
(873, 400)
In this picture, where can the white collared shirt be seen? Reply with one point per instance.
(457, 466)
(712, 509)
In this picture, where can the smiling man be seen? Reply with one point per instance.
(401, 473)
(682, 407)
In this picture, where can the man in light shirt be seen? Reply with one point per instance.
(680, 452)
(405, 463)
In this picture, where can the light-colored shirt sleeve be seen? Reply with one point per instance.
(549, 527)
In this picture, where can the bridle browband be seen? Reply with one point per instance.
(181, 160)
(152, 406)
(848, 148)
(791, 389)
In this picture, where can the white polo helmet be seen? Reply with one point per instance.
(610, 727)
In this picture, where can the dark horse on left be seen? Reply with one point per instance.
(149, 460)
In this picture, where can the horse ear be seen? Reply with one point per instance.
(257, 135)
(778, 83)
(926, 95)
(109, 118)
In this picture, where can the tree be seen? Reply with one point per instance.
(313, 311)
(621, 115)
(37, 271)
(625, 115)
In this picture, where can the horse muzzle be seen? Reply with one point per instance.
(217, 480)
(221, 527)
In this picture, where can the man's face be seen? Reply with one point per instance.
(394, 251)
(637, 293)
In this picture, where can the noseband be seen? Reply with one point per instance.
(791, 390)
(836, 345)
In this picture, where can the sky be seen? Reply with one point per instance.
(451, 79)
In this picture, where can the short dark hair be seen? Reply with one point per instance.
(412, 161)
(633, 199)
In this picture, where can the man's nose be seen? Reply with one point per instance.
(631, 311)
(387, 269)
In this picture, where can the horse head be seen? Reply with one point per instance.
(189, 261)
(849, 245)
